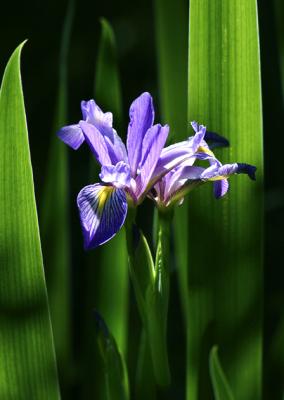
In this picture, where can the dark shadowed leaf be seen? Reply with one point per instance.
(221, 388)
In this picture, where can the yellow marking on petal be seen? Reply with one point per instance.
(202, 149)
(218, 178)
(103, 196)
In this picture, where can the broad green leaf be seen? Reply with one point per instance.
(116, 380)
(27, 360)
(222, 390)
(225, 236)
(54, 221)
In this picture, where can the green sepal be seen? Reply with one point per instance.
(141, 265)
(221, 387)
(116, 377)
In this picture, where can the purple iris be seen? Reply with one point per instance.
(128, 173)
(182, 179)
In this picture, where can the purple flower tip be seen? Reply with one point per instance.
(216, 140)
(247, 169)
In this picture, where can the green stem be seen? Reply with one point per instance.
(158, 300)
(145, 383)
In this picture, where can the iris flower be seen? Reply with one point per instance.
(127, 172)
(172, 188)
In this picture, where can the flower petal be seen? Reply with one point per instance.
(216, 140)
(141, 115)
(248, 169)
(102, 212)
(103, 122)
(118, 175)
(153, 144)
(94, 115)
(96, 142)
(71, 135)
(220, 188)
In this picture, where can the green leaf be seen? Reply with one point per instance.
(222, 390)
(171, 43)
(112, 279)
(54, 216)
(27, 361)
(225, 236)
(107, 82)
(116, 380)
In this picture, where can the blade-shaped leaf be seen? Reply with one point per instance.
(27, 361)
(54, 219)
(222, 390)
(171, 43)
(107, 82)
(225, 282)
(113, 276)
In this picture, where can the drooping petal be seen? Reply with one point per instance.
(141, 115)
(102, 213)
(71, 135)
(153, 144)
(220, 188)
(118, 175)
(96, 142)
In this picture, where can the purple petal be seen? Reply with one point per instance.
(102, 213)
(96, 142)
(199, 136)
(220, 188)
(94, 115)
(216, 140)
(153, 144)
(118, 175)
(247, 169)
(71, 135)
(141, 115)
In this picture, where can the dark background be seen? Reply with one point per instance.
(133, 23)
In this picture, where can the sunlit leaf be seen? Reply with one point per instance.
(27, 361)
(225, 236)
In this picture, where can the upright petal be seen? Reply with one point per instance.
(102, 213)
(103, 122)
(141, 115)
(71, 135)
(153, 144)
(96, 142)
(94, 115)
